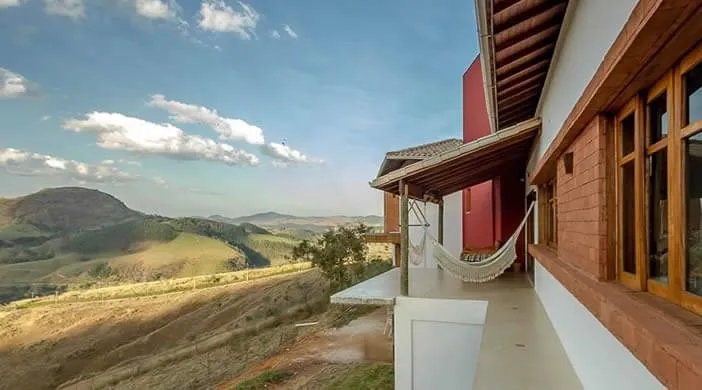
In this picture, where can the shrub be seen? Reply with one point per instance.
(261, 382)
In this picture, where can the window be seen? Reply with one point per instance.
(549, 227)
(658, 143)
(467, 206)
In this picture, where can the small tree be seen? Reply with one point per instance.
(339, 253)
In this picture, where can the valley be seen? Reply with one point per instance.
(75, 238)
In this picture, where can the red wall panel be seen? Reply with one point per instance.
(478, 223)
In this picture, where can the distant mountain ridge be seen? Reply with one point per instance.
(280, 222)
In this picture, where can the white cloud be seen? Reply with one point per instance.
(228, 128)
(117, 131)
(10, 3)
(45, 118)
(275, 34)
(290, 31)
(217, 16)
(19, 162)
(155, 9)
(14, 85)
(285, 155)
(74, 9)
(160, 181)
(126, 162)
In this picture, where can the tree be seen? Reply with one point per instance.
(339, 253)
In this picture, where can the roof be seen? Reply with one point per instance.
(400, 158)
(426, 150)
(469, 164)
(518, 42)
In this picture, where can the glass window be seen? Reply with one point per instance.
(693, 169)
(628, 127)
(658, 118)
(693, 94)
(658, 216)
(628, 225)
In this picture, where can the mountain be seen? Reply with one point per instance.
(64, 209)
(285, 222)
(69, 235)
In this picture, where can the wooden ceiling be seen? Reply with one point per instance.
(524, 39)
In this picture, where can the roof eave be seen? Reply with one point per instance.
(398, 174)
(487, 59)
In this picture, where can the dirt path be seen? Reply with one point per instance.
(328, 351)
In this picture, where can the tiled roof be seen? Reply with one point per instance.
(425, 150)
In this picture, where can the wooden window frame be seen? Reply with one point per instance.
(548, 226)
(672, 84)
(467, 201)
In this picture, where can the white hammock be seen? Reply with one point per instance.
(417, 254)
(486, 269)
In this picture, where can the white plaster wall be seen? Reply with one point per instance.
(599, 359)
(590, 29)
(453, 228)
(453, 223)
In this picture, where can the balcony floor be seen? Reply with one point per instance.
(519, 349)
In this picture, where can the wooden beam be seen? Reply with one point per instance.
(404, 238)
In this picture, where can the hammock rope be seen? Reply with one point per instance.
(418, 252)
(479, 270)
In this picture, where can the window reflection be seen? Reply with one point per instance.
(693, 169)
(658, 216)
(658, 118)
(628, 127)
(628, 237)
(693, 94)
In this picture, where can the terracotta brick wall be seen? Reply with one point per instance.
(391, 211)
(581, 202)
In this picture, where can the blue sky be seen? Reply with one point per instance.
(203, 107)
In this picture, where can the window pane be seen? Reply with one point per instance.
(628, 227)
(658, 216)
(658, 119)
(628, 135)
(693, 169)
(693, 94)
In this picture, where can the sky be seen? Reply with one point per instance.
(201, 107)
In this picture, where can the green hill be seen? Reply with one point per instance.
(74, 235)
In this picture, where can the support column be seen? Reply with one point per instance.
(441, 221)
(404, 239)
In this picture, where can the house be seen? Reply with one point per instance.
(595, 117)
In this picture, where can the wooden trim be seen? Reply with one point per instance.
(676, 210)
(662, 85)
(628, 158)
(692, 58)
(691, 129)
(611, 169)
(657, 147)
(656, 29)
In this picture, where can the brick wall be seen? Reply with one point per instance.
(581, 202)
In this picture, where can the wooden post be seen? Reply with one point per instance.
(404, 239)
(441, 221)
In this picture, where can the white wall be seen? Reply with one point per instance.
(590, 29)
(599, 359)
(453, 228)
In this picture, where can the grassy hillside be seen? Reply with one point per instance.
(189, 339)
(63, 236)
